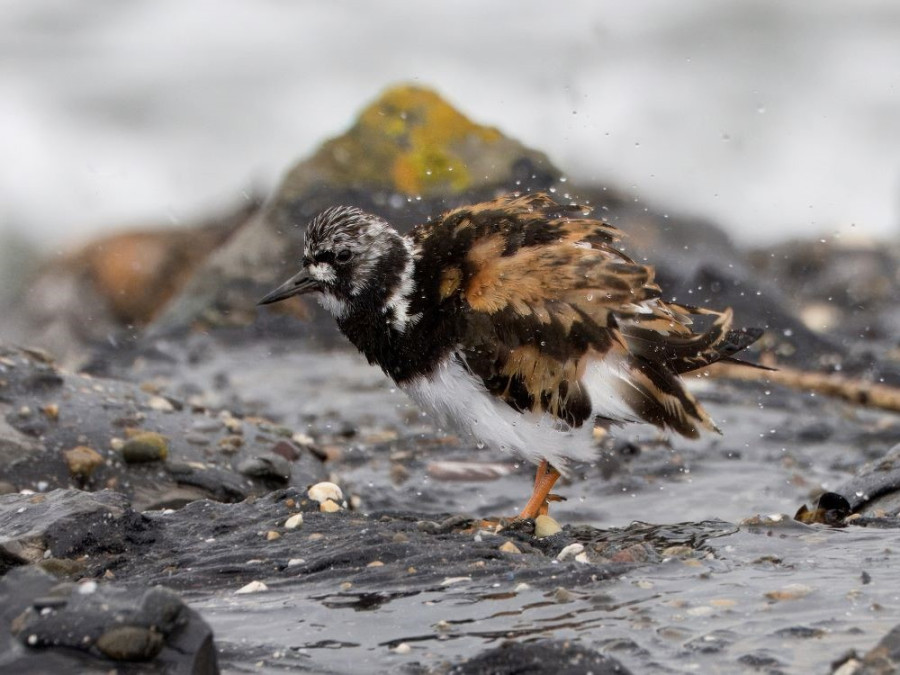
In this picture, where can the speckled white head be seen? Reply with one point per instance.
(345, 253)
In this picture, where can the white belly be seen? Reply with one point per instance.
(458, 400)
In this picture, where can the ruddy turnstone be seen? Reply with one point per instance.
(517, 321)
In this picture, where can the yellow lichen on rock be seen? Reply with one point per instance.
(413, 142)
(415, 134)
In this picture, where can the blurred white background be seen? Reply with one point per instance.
(774, 119)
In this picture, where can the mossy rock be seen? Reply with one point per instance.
(412, 142)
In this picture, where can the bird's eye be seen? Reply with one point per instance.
(344, 255)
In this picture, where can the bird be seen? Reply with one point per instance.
(519, 322)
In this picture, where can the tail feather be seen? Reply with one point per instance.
(657, 395)
(652, 387)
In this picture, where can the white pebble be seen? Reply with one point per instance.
(294, 521)
(570, 551)
(252, 587)
(449, 581)
(322, 492)
(160, 404)
(87, 588)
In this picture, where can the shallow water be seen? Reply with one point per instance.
(707, 612)
(708, 615)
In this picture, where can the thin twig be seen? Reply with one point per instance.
(854, 390)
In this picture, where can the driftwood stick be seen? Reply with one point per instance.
(854, 390)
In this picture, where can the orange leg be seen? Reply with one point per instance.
(544, 480)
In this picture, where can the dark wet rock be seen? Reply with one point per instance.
(102, 415)
(541, 656)
(883, 659)
(15, 446)
(213, 541)
(713, 642)
(801, 632)
(830, 509)
(269, 466)
(761, 660)
(219, 484)
(56, 523)
(51, 627)
(874, 491)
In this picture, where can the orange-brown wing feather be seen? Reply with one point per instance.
(545, 292)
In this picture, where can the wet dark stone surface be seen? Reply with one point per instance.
(542, 656)
(669, 577)
(103, 413)
(46, 626)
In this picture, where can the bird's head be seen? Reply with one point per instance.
(347, 254)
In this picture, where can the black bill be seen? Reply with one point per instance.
(298, 284)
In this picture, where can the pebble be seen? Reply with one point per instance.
(82, 460)
(51, 410)
(509, 547)
(252, 587)
(545, 526)
(399, 474)
(449, 581)
(402, 648)
(287, 450)
(266, 466)
(207, 426)
(375, 563)
(329, 506)
(160, 404)
(272, 535)
(790, 592)
(147, 446)
(570, 551)
(233, 424)
(563, 595)
(850, 667)
(231, 444)
(130, 643)
(322, 492)
(302, 439)
(677, 551)
(294, 522)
